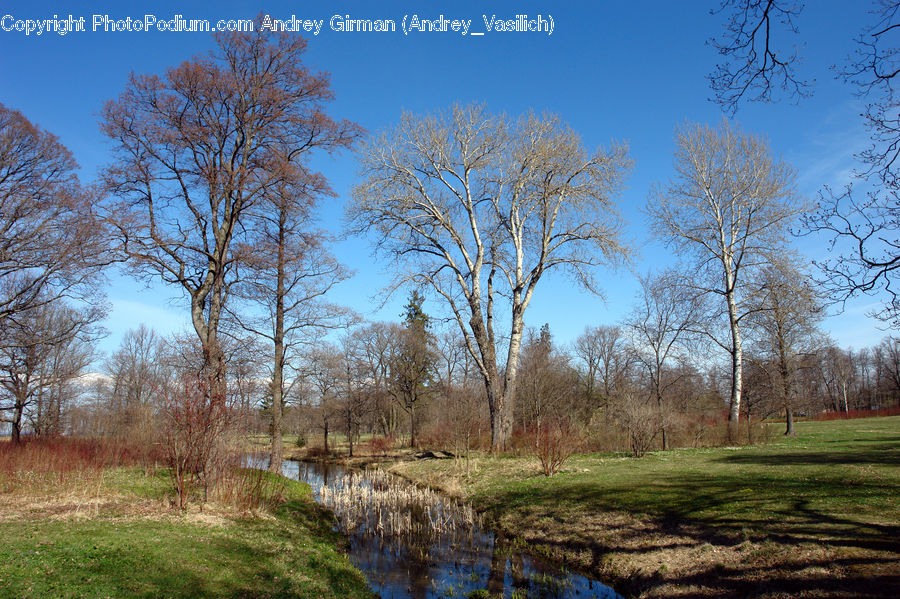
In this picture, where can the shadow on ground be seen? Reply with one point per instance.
(786, 524)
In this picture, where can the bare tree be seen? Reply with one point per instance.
(137, 379)
(890, 363)
(605, 360)
(287, 272)
(548, 385)
(376, 346)
(638, 418)
(862, 226)
(42, 350)
(789, 310)
(246, 357)
(756, 60)
(865, 230)
(865, 233)
(197, 149)
(473, 204)
(323, 368)
(661, 324)
(462, 408)
(728, 207)
(51, 242)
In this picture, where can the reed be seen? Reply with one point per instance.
(380, 504)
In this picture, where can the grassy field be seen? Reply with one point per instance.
(118, 537)
(816, 515)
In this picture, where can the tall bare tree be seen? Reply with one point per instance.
(479, 207)
(376, 346)
(728, 207)
(197, 149)
(137, 376)
(861, 220)
(864, 224)
(548, 387)
(287, 270)
(789, 310)
(325, 373)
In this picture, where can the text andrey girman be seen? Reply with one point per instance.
(409, 24)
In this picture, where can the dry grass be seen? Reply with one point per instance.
(122, 538)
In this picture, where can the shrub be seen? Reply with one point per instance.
(639, 419)
(862, 413)
(249, 489)
(554, 442)
(195, 424)
(68, 461)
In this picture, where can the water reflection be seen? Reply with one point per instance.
(447, 555)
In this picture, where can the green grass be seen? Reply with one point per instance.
(833, 490)
(290, 553)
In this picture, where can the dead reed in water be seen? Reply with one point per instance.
(389, 508)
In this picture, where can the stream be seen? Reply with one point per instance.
(414, 543)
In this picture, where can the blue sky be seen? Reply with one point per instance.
(613, 70)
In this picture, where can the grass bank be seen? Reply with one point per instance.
(817, 515)
(115, 535)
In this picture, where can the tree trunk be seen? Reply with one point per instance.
(665, 429)
(496, 407)
(16, 437)
(277, 407)
(350, 426)
(749, 430)
(504, 401)
(789, 417)
(412, 425)
(784, 371)
(734, 416)
(206, 309)
(277, 453)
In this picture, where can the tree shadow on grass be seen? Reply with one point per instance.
(804, 578)
(690, 510)
(860, 453)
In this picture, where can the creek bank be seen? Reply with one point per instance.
(119, 537)
(804, 518)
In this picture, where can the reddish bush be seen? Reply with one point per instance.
(554, 442)
(68, 454)
(381, 445)
(195, 424)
